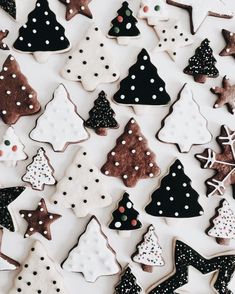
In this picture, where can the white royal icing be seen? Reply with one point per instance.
(92, 256)
(60, 124)
(153, 11)
(185, 125)
(5, 265)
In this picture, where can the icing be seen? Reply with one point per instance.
(128, 283)
(74, 7)
(92, 256)
(82, 188)
(91, 63)
(38, 274)
(9, 6)
(3, 35)
(60, 124)
(153, 11)
(229, 49)
(175, 197)
(11, 148)
(185, 125)
(171, 37)
(39, 173)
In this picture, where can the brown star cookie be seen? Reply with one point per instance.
(74, 7)
(229, 49)
(3, 35)
(226, 95)
(39, 220)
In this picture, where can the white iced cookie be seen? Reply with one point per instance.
(39, 173)
(39, 274)
(185, 125)
(92, 62)
(171, 36)
(82, 187)
(93, 256)
(11, 148)
(153, 11)
(60, 124)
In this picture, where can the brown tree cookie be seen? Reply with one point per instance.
(226, 95)
(131, 159)
(229, 49)
(3, 35)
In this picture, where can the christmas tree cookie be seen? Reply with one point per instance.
(92, 256)
(91, 63)
(60, 124)
(42, 35)
(153, 11)
(124, 25)
(131, 159)
(125, 217)
(143, 86)
(18, 98)
(185, 125)
(149, 252)
(39, 274)
(11, 148)
(9, 6)
(82, 188)
(101, 116)
(3, 35)
(202, 64)
(74, 7)
(223, 224)
(128, 283)
(175, 198)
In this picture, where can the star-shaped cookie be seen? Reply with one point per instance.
(226, 95)
(74, 7)
(39, 220)
(3, 35)
(229, 49)
(200, 9)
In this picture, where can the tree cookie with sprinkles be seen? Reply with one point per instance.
(128, 283)
(42, 35)
(9, 6)
(39, 274)
(74, 7)
(3, 35)
(131, 159)
(18, 98)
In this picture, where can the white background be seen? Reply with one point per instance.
(45, 78)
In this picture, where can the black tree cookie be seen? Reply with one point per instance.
(128, 283)
(9, 6)
(74, 7)
(101, 116)
(142, 86)
(42, 35)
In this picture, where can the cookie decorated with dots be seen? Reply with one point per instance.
(9, 6)
(229, 49)
(128, 283)
(3, 35)
(74, 7)
(153, 11)
(42, 35)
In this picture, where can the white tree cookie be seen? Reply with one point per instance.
(39, 274)
(40, 172)
(92, 256)
(60, 124)
(91, 63)
(82, 187)
(11, 148)
(172, 37)
(149, 252)
(185, 125)
(153, 11)
(223, 224)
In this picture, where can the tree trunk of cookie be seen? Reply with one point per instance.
(124, 234)
(170, 221)
(123, 40)
(147, 268)
(101, 131)
(223, 241)
(42, 57)
(200, 78)
(139, 109)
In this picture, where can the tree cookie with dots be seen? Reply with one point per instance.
(149, 252)
(229, 49)
(74, 7)
(92, 62)
(185, 125)
(39, 274)
(11, 148)
(60, 124)
(125, 217)
(124, 25)
(18, 98)
(131, 159)
(222, 226)
(9, 6)
(82, 187)
(42, 35)
(221, 266)
(172, 37)
(39, 172)
(143, 86)
(175, 198)
(3, 35)
(39, 220)
(128, 283)
(153, 11)
(92, 255)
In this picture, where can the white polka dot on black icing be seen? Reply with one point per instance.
(128, 283)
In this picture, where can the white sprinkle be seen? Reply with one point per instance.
(47, 22)
(31, 229)
(30, 96)
(142, 67)
(23, 88)
(132, 88)
(117, 163)
(1, 77)
(176, 214)
(136, 167)
(130, 132)
(21, 38)
(123, 142)
(113, 153)
(107, 172)
(47, 42)
(137, 99)
(160, 212)
(56, 28)
(186, 207)
(34, 20)
(133, 151)
(30, 214)
(62, 38)
(168, 188)
(171, 198)
(125, 176)
(159, 203)
(133, 77)
(151, 81)
(30, 106)
(29, 45)
(40, 222)
(122, 96)
(8, 92)
(5, 68)
(140, 139)
(145, 57)
(46, 12)
(45, 232)
(161, 89)
(18, 103)
(151, 175)
(70, 10)
(14, 76)
(4, 112)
